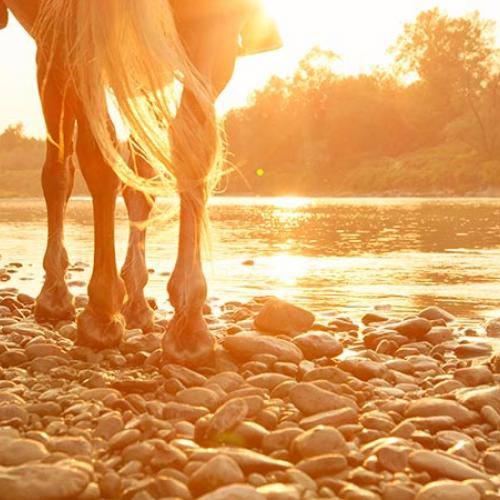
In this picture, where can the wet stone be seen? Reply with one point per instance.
(435, 313)
(318, 344)
(412, 328)
(493, 328)
(278, 316)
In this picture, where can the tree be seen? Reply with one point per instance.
(455, 61)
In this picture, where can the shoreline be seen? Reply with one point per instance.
(290, 408)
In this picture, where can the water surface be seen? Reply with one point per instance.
(329, 255)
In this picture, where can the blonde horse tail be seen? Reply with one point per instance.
(128, 52)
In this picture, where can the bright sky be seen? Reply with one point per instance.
(360, 31)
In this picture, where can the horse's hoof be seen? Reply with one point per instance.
(188, 342)
(99, 333)
(54, 304)
(139, 315)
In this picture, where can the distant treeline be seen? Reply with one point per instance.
(429, 125)
(322, 133)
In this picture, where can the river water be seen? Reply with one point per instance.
(330, 255)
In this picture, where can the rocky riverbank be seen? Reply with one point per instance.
(375, 408)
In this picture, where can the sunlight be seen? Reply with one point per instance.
(287, 269)
(290, 202)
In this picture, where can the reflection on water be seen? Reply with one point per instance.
(331, 255)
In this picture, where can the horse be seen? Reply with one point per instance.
(162, 63)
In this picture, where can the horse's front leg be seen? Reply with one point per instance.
(188, 340)
(54, 301)
(136, 310)
(101, 324)
(213, 47)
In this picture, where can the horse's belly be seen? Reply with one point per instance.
(24, 11)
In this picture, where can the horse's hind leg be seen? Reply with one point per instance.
(54, 301)
(101, 324)
(136, 310)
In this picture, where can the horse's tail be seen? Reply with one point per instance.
(4, 15)
(129, 52)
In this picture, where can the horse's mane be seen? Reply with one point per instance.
(129, 51)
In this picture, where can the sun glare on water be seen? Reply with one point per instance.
(290, 202)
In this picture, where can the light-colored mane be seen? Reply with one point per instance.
(129, 51)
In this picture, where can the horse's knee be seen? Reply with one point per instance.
(57, 176)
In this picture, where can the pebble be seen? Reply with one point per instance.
(440, 465)
(227, 417)
(473, 350)
(323, 465)
(319, 440)
(430, 407)
(43, 481)
(181, 411)
(393, 458)
(284, 415)
(412, 328)
(108, 425)
(188, 377)
(448, 490)
(20, 451)
(244, 346)
(335, 418)
(476, 398)
(278, 316)
(9, 412)
(249, 461)
(311, 399)
(364, 369)
(234, 492)
(474, 376)
(217, 472)
(316, 345)
(198, 396)
(70, 445)
(435, 313)
(279, 491)
(124, 438)
(41, 350)
(493, 328)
